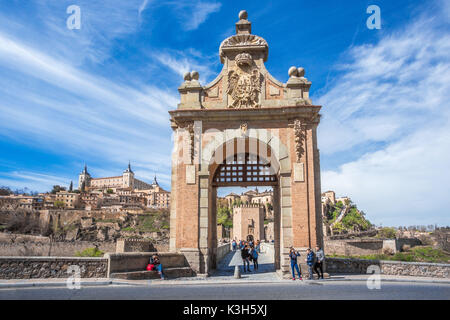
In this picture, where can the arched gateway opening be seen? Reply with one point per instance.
(245, 128)
(243, 162)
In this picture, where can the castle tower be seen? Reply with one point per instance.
(85, 177)
(128, 177)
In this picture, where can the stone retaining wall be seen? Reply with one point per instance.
(222, 251)
(360, 247)
(400, 268)
(135, 261)
(51, 267)
(56, 249)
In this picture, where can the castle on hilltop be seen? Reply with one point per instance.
(125, 181)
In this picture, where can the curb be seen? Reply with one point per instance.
(52, 284)
(202, 282)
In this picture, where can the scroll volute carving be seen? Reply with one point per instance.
(299, 138)
(191, 135)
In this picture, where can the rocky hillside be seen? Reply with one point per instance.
(153, 224)
(341, 218)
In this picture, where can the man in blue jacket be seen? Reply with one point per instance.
(294, 266)
(310, 262)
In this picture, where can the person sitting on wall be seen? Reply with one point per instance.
(155, 265)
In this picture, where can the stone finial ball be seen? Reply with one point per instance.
(243, 15)
(194, 75)
(293, 72)
(301, 71)
(187, 76)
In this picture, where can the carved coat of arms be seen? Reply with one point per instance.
(244, 83)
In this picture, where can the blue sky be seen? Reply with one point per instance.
(100, 94)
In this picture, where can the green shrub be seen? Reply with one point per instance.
(90, 252)
(417, 254)
(387, 233)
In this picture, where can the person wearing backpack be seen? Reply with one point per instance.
(310, 258)
(254, 254)
(258, 246)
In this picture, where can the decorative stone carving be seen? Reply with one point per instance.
(243, 59)
(238, 40)
(297, 73)
(244, 128)
(190, 130)
(244, 84)
(299, 134)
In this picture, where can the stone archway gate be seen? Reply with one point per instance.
(244, 111)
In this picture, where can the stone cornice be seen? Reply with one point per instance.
(309, 113)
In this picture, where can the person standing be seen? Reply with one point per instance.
(245, 258)
(258, 246)
(310, 262)
(233, 244)
(318, 265)
(254, 255)
(294, 266)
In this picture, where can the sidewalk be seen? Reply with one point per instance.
(268, 278)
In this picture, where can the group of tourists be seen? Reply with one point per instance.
(250, 252)
(314, 260)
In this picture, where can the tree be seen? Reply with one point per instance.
(224, 217)
(71, 186)
(109, 191)
(57, 188)
(59, 204)
(5, 191)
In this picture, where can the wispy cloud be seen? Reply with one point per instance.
(395, 92)
(180, 62)
(98, 117)
(32, 180)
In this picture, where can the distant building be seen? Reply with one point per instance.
(248, 222)
(127, 190)
(126, 180)
(330, 196)
(264, 198)
(70, 200)
(15, 202)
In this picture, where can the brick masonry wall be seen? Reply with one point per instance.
(51, 267)
(359, 266)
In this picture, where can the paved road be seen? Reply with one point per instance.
(352, 290)
(266, 269)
